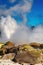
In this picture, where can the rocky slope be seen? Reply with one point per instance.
(25, 53)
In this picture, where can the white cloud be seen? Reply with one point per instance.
(37, 35)
(27, 6)
(8, 27)
(20, 9)
(20, 33)
(24, 8)
(26, 35)
(7, 12)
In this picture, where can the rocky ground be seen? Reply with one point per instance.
(9, 62)
(26, 54)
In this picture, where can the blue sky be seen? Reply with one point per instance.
(28, 11)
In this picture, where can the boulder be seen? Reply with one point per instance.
(8, 56)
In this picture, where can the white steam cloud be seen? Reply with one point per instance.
(19, 33)
(8, 27)
(37, 35)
